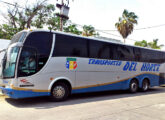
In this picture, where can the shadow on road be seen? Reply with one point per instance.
(44, 103)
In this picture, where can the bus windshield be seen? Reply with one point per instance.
(9, 65)
(19, 37)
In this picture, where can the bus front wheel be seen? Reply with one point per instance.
(133, 87)
(59, 92)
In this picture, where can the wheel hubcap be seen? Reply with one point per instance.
(58, 92)
(134, 86)
(145, 85)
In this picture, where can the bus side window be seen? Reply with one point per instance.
(100, 50)
(70, 46)
(104, 52)
(28, 62)
(42, 42)
(125, 53)
(137, 54)
(161, 57)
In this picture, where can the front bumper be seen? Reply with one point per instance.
(6, 91)
(17, 94)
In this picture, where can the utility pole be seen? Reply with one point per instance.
(61, 18)
(64, 10)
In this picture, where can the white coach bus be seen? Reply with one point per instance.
(46, 63)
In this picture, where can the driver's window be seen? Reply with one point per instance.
(27, 63)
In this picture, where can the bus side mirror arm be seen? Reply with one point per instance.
(18, 44)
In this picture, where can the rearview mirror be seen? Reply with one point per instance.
(9, 50)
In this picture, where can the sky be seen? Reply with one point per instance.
(3, 45)
(103, 14)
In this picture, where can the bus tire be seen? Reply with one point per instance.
(59, 92)
(145, 85)
(133, 87)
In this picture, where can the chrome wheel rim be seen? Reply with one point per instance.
(134, 86)
(58, 92)
(145, 86)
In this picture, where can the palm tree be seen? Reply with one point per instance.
(154, 44)
(126, 23)
(89, 30)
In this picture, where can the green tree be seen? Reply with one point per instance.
(72, 28)
(142, 43)
(44, 15)
(53, 22)
(36, 15)
(89, 30)
(153, 44)
(125, 25)
(23, 18)
(7, 31)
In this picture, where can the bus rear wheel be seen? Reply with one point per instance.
(133, 86)
(59, 92)
(145, 85)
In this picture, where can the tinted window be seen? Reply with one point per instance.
(99, 49)
(125, 53)
(70, 46)
(113, 52)
(162, 57)
(19, 37)
(41, 42)
(137, 53)
(146, 55)
(27, 63)
(82, 47)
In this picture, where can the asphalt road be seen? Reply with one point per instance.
(118, 105)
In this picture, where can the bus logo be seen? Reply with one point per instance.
(71, 63)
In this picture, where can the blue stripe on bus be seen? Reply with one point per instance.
(123, 85)
(22, 93)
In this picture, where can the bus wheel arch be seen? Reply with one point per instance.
(145, 84)
(133, 85)
(60, 90)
